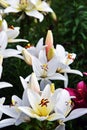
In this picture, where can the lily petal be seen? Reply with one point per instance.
(73, 71)
(5, 85)
(10, 52)
(60, 127)
(76, 113)
(10, 111)
(7, 122)
(35, 14)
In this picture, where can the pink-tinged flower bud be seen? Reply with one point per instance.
(49, 45)
(82, 89)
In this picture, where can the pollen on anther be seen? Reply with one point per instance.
(44, 102)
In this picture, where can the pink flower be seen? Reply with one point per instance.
(85, 73)
(80, 93)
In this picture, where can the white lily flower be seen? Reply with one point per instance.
(65, 59)
(30, 51)
(5, 53)
(45, 70)
(11, 32)
(2, 100)
(32, 8)
(41, 106)
(31, 84)
(17, 117)
(65, 105)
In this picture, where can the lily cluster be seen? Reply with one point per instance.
(32, 8)
(40, 99)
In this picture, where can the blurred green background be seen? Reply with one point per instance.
(70, 30)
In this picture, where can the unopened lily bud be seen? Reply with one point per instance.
(4, 4)
(49, 45)
(50, 54)
(27, 56)
(54, 16)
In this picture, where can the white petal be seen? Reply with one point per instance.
(34, 1)
(13, 2)
(13, 33)
(66, 81)
(42, 56)
(55, 116)
(36, 64)
(24, 83)
(10, 111)
(27, 78)
(39, 45)
(5, 85)
(2, 100)
(63, 97)
(57, 76)
(52, 66)
(4, 25)
(46, 93)
(1, 69)
(43, 83)
(73, 71)
(60, 52)
(76, 113)
(17, 40)
(7, 122)
(33, 83)
(35, 14)
(3, 40)
(11, 9)
(34, 99)
(28, 111)
(25, 101)
(60, 127)
(16, 100)
(44, 7)
(20, 48)
(10, 53)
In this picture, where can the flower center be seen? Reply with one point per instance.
(11, 27)
(70, 57)
(45, 68)
(44, 102)
(28, 46)
(23, 4)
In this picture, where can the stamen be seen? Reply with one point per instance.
(28, 46)
(70, 56)
(45, 67)
(52, 87)
(44, 102)
(11, 27)
(23, 2)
